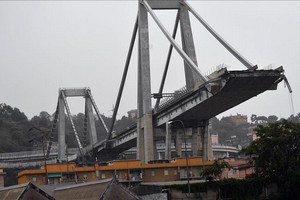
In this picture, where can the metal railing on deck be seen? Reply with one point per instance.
(178, 94)
(23, 154)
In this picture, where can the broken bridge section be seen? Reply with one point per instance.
(202, 98)
(192, 108)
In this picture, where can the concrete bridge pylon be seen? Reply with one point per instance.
(59, 121)
(145, 129)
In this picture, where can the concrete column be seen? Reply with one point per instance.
(196, 142)
(207, 149)
(188, 46)
(61, 130)
(144, 62)
(168, 143)
(179, 143)
(148, 138)
(145, 126)
(140, 153)
(91, 122)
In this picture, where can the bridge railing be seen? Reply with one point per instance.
(22, 154)
(170, 100)
(34, 163)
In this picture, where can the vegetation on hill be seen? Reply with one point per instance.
(14, 137)
(233, 134)
(14, 126)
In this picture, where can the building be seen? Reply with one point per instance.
(237, 119)
(252, 133)
(214, 139)
(128, 172)
(125, 171)
(101, 189)
(26, 191)
(240, 169)
(104, 189)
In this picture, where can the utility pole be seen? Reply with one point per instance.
(44, 143)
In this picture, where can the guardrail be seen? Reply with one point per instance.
(24, 154)
(170, 100)
(22, 164)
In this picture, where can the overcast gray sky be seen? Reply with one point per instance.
(46, 45)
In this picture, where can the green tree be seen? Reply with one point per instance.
(215, 171)
(276, 155)
(295, 118)
(9, 113)
(43, 120)
(272, 118)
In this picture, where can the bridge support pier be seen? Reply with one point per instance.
(145, 147)
(168, 142)
(61, 130)
(196, 142)
(206, 143)
(91, 122)
(178, 145)
(200, 141)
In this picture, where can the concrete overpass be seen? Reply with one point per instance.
(35, 158)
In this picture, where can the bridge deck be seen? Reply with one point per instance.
(237, 87)
(227, 91)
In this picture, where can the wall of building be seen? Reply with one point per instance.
(238, 119)
(160, 174)
(214, 139)
(130, 171)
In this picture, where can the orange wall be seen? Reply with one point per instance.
(125, 170)
(160, 174)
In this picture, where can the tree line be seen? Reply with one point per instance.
(15, 135)
(14, 126)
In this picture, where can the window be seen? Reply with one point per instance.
(34, 179)
(153, 172)
(102, 175)
(51, 181)
(175, 172)
(44, 179)
(166, 172)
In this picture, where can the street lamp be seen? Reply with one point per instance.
(43, 146)
(185, 155)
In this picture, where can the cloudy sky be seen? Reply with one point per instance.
(46, 45)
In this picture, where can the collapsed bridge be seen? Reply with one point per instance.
(174, 114)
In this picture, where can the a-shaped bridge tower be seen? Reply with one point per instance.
(59, 122)
(203, 97)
